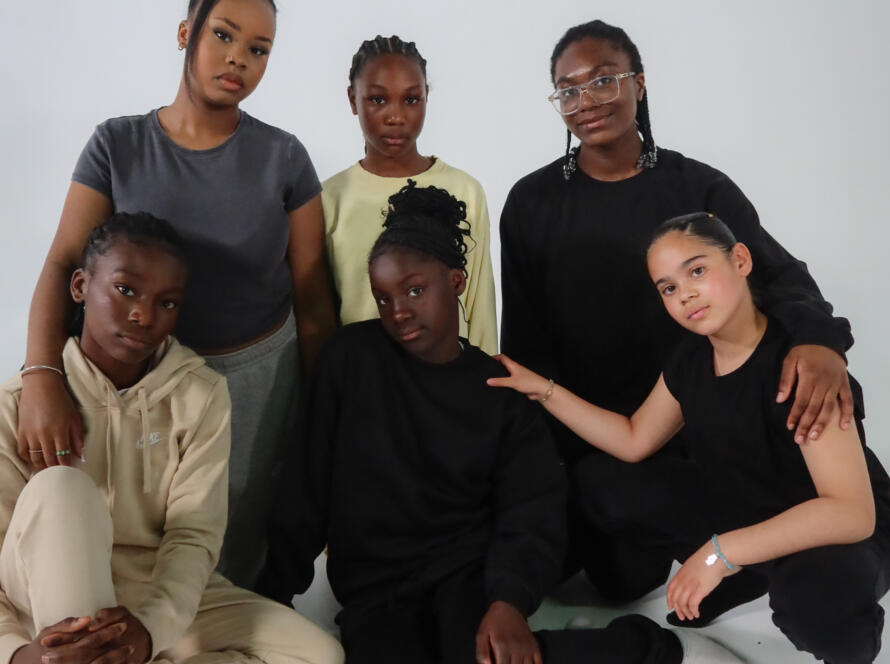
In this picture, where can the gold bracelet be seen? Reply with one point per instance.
(40, 367)
(548, 393)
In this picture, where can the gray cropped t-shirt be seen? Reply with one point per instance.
(230, 203)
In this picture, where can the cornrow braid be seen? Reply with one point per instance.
(618, 38)
(139, 228)
(380, 45)
(428, 220)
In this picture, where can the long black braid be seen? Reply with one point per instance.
(380, 45)
(618, 38)
(428, 220)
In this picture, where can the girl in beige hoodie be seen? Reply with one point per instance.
(113, 553)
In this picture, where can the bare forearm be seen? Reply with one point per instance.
(316, 321)
(816, 522)
(608, 431)
(50, 311)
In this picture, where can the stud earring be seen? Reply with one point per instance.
(181, 46)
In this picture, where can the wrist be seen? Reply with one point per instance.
(717, 557)
(547, 391)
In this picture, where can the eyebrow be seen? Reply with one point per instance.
(588, 72)
(685, 263)
(237, 28)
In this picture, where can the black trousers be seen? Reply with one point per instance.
(645, 515)
(439, 626)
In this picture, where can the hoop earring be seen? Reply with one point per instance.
(570, 164)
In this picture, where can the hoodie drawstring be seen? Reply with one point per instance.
(146, 443)
(108, 485)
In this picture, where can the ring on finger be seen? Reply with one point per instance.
(39, 450)
(62, 452)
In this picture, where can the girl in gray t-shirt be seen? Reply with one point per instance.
(245, 197)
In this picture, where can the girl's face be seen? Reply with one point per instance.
(599, 126)
(417, 300)
(131, 297)
(232, 51)
(703, 288)
(389, 98)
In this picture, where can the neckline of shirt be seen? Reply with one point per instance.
(159, 129)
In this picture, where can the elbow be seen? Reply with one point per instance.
(861, 522)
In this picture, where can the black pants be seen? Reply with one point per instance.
(646, 515)
(439, 627)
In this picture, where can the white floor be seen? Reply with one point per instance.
(746, 630)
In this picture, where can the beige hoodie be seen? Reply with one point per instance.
(167, 497)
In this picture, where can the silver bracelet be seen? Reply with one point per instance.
(40, 367)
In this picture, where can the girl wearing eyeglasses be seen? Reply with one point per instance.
(388, 92)
(578, 306)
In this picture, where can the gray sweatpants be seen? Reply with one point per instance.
(263, 382)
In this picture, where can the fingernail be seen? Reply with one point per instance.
(814, 435)
(791, 425)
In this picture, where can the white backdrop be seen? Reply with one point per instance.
(790, 99)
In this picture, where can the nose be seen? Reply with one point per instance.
(401, 311)
(235, 58)
(141, 314)
(394, 115)
(586, 100)
(687, 293)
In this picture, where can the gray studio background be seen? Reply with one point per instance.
(788, 98)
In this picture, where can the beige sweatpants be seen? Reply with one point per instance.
(56, 563)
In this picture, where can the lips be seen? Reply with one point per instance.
(409, 334)
(394, 140)
(697, 313)
(137, 342)
(231, 82)
(591, 122)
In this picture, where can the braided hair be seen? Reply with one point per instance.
(618, 38)
(199, 10)
(427, 220)
(380, 45)
(139, 228)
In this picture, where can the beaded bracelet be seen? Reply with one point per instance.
(710, 560)
(40, 367)
(549, 392)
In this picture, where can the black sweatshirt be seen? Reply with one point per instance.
(410, 471)
(578, 304)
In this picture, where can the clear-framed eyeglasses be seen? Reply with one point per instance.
(601, 90)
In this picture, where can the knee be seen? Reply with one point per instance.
(62, 486)
(327, 650)
(824, 600)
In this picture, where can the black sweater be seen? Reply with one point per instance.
(410, 471)
(578, 304)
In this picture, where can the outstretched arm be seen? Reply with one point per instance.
(628, 438)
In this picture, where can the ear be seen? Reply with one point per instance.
(351, 94)
(182, 34)
(641, 86)
(80, 281)
(458, 281)
(741, 259)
